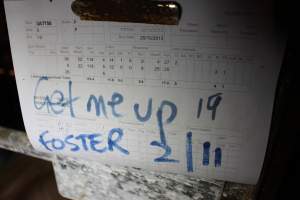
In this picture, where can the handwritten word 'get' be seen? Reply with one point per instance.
(56, 102)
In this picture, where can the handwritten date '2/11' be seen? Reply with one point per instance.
(57, 102)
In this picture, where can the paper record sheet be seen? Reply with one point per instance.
(194, 98)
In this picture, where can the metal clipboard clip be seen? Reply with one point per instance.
(132, 11)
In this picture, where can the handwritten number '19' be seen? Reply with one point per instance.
(212, 104)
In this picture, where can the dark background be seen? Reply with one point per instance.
(21, 177)
(10, 114)
(280, 175)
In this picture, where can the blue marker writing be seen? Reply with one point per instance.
(213, 103)
(74, 147)
(148, 114)
(163, 142)
(56, 144)
(116, 99)
(189, 152)
(84, 142)
(113, 143)
(199, 107)
(95, 142)
(99, 105)
(56, 102)
(206, 151)
(218, 157)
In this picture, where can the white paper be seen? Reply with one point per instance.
(195, 98)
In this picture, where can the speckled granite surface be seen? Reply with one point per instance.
(17, 141)
(235, 191)
(91, 180)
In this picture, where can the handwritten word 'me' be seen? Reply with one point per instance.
(56, 102)
(100, 106)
